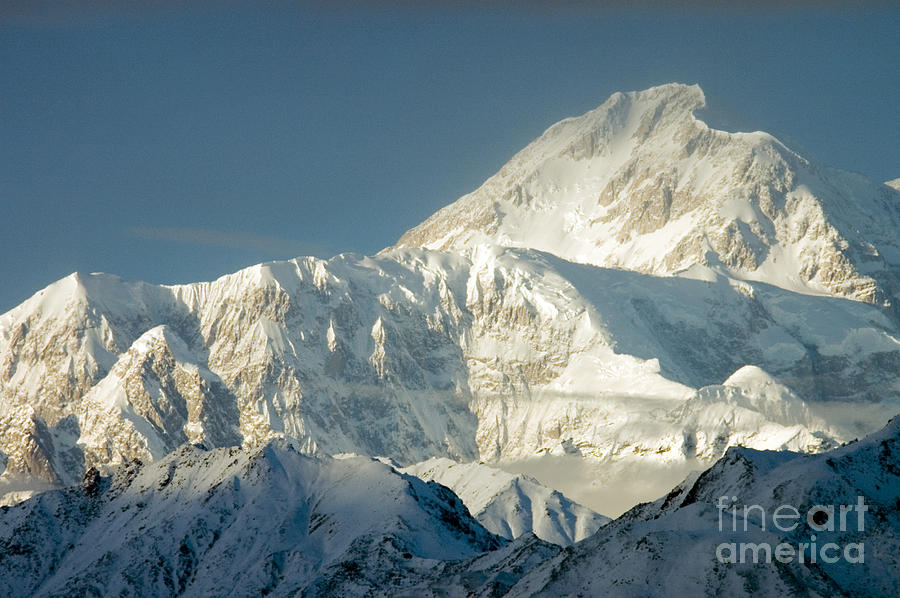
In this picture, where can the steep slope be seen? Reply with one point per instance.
(161, 398)
(641, 183)
(672, 546)
(119, 370)
(269, 521)
(512, 505)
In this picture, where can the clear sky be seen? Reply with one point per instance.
(171, 144)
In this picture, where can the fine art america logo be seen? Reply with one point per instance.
(787, 518)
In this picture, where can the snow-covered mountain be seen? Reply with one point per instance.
(670, 547)
(510, 355)
(511, 505)
(641, 183)
(274, 521)
(268, 521)
(511, 346)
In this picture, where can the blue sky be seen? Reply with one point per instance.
(171, 144)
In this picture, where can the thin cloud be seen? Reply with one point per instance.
(272, 246)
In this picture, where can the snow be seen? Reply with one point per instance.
(640, 183)
(511, 505)
(632, 294)
(669, 546)
(274, 521)
(717, 252)
(208, 523)
(508, 356)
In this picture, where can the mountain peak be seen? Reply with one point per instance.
(640, 183)
(643, 110)
(673, 98)
(511, 505)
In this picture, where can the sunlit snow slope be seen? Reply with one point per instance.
(641, 183)
(512, 505)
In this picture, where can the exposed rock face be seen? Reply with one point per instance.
(241, 359)
(90, 483)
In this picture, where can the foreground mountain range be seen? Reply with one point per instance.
(632, 294)
(273, 521)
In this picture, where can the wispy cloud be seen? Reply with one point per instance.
(273, 246)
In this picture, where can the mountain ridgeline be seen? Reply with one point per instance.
(633, 289)
(276, 522)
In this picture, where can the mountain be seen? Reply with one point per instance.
(640, 183)
(96, 370)
(510, 356)
(267, 521)
(534, 355)
(511, 505)
(672, 546)
(275, 521)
